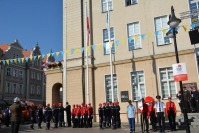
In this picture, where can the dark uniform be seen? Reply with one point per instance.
(48, 116)
(55, 112)
(39, 116)
(171, 113)
(114, 115)
(108, 112)
(61, 115)
(100, 111)
(32, 116)
(90, 117)
(153, 118)
(118, 120)
(196, 99)
(104, 114)
(68, 114)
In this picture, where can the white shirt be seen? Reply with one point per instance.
(159, 106)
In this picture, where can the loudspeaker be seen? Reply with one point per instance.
(194, 36)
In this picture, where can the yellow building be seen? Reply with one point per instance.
(142, 55)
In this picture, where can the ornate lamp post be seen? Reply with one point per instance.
(173, 23)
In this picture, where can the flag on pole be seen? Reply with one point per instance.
(87, 26)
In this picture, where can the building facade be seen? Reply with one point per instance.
(24, 79)
(142, 54)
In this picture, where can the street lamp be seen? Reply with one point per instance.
(173, 23)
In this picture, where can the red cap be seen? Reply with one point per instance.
(48, 104)
(100, 104)
(32, 105)
(169, 97)
(73, 105)
(89, 103)
(77, 105)
(60, 104)
(40, 105)
(107, 103)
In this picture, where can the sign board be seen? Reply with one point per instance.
(124, 96)
(180, 72)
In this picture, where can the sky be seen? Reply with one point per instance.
(32, 21)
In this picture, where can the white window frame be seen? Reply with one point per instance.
(33, 75)
(197, 7)
(110, 91)
(8, 87)
(104, 5)
(160, 32)
(20, 73)
(106, 41)
(38, 90)
(138, 43)
(137, 84)
(131, 2)
(9, 71)
(14, 88)
(32, 90)
(20, 86)
(15, 72)
(167, 80)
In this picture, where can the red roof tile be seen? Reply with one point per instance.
(26, 53)
(4, 47)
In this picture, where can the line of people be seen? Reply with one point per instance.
(155, 111)
(109, 115)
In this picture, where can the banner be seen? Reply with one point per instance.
(180, 72)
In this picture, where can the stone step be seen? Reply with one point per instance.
(194, 126)
(194, 123)
(193, 114)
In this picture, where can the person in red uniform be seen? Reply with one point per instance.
(86, 115)
(171, 113)
(90, 117)
(144, 112)
(73, 113)
(78, 116)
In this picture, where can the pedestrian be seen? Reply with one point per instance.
(179, 96)
(90, 117)
(32, 116)
(108, 111)
(78, 115)
(160, 113)
(6, 115)
(131, 115)
(86, 115)
(104, 114)
(100, 112)
(48, 116)
(68, 114)
(118, 120)
(82, 115)
(195, 98)
(16, 113)
(187, 97)
(39, 116)
(114, 115)
(55, 113)
(171, 113)
(152, 115)
(73, 112)
(145, 114)
(61, 115)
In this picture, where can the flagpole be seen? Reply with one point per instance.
(87, 43)
(110, 51)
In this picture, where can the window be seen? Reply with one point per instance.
(20, 89)
(130, 2)
(32, 90)
(137, 83)
(33, 75)
(15, 72)
(106, 40)
(194, 5)
(8, 87)
(161, 23)
(167, 82)
(104, 5)
(108, 88)
(20, 73)
(38, 76)
(8, 72)
(14, 88)
(134, 39)
(38, 90)
(14, 56)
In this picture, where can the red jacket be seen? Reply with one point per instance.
(145, 108)
(73, 112)
(150, 109)
(78, 111)
(90, 110)
(170, 105)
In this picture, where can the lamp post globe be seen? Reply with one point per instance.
(173, 20)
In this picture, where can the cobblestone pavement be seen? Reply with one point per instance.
(95, 129)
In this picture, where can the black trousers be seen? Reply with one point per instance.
(161, 121)
(100, 122)
(145, 119)
(197, 106)
(172, 120)
(69, 120)
(153, 120)
(15, 126)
